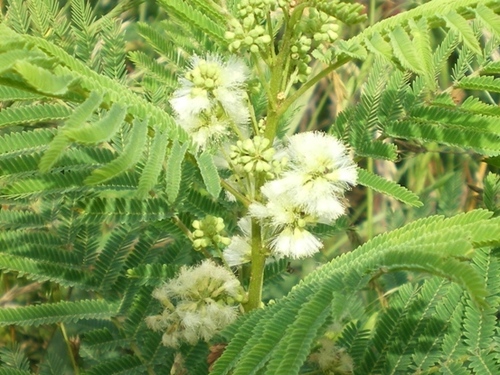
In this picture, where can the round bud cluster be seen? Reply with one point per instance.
(209, 232)
(300, 55)
(328, 27)
(197, 303)
(317, 31)
(253, 155)
(287, 4)
(204, 76)
(249, 33)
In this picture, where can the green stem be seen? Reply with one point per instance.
(277, 74)
(257, 270)
(369, 206)
(246, 202)
(76, 369)
(182, 227)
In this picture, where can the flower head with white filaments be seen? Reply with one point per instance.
(310, 190)
(197, 304)
(319, 171)
(211, 99)
(287, 222)
(239, 250)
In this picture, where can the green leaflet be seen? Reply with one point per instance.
(376, 44)
(209, 173)
(489, 18)
(491, 193)
(487, 83)
(64, 312)
(154, 164)
(125, 210)
(194, 17)
(174, 171)
(411, 247)
(492, 68)
(43, 80)
(45, 271)
(11, 93)
(9, 59)
(156, 70)
(100, 131)
(80, 114)
(422, 44)
(111, 259)
(32, 114)
(152, 274)
(130, 156)
(480, 141)
(387, 187)
(405, 51)
(160, 42)
(460, 25)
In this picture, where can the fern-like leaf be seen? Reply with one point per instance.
(31, 114)
(209, 173)
(61, 312)
(100, 131)
(387, 187)
(152, 274)
(154, 163)
(130, 156)
(80, 114)
(174, 164)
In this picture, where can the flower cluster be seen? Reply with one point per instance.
(314, 37)
(209, 232)
(211, 99)
(197, 304)
(252, 156)
(310, 190)
(248, 31)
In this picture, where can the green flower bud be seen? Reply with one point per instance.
(198, 233)
(254, 48)
(198, 81)
(248, 40)
(264, 39)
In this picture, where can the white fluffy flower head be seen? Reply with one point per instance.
(320, 170)
(288, 222)
(210, 99)
(198, 303)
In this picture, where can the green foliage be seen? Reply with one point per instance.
(100, 185)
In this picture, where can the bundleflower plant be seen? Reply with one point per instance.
(287, 185)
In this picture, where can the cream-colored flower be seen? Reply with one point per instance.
(239, 250)
(211, 95)
(319, 171)
(198, 303)
(287, 222)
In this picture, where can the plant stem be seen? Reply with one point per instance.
(76, 369)
(182, 227)
(246, 202)
(369, 204)
(257, 270)
(277, 74)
